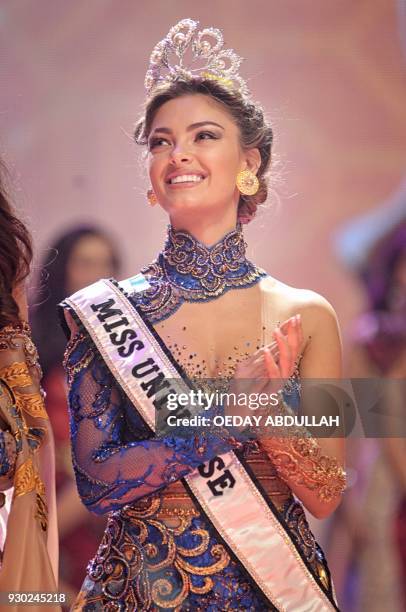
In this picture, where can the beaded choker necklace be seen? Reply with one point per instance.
(187, 270)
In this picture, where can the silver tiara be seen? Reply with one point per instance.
(208, 59)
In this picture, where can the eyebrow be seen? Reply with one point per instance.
(190, 127)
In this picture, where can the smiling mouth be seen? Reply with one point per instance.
(186, 179)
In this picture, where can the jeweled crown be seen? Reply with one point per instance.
(208, 59)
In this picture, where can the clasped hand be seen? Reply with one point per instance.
(267, 370)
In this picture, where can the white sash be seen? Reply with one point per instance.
(222, 487)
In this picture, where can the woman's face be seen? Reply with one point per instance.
(91, 259)
(195, 156)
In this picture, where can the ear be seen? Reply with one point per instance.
(252, 160)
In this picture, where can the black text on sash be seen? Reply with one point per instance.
(127, 342)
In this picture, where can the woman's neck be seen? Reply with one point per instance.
(206, 231)
(191, 265)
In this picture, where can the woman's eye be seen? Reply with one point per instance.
(206, 136)
(158, 142)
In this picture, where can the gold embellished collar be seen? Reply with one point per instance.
(190, 264)
(187, 270)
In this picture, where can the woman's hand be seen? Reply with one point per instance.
(267, 370)
(272, 364)
(288, 339)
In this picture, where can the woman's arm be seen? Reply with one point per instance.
(17, 387)
(115, 463)
(313, 467)
(9, 353)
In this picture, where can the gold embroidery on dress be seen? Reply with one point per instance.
(14, 336)
(16, 375)
(301, 460)
(26, 401)
(17, 336)
(33, 404)
(42, 509)
(27, 480)
(112, 556)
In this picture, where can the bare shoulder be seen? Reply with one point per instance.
(316, 311)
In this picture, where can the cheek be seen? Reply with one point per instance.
(155, 167)
(152, 172)
(226, 165)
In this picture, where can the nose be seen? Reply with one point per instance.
(180, 155)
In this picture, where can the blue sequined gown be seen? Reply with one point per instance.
(158, 551)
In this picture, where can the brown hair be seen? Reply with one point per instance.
(15, 256)
(255, 131)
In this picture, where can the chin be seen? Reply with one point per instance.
(185, 205)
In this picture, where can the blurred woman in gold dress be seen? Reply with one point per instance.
(29, 544)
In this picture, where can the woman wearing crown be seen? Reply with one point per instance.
(202, 521)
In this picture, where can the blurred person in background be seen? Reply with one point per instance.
(371, 527)
(28, 535)
(77, 258)
(380, 351)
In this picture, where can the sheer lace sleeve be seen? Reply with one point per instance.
(116, 460)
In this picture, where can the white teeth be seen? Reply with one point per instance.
(187, 178)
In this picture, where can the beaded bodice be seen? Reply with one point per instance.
(188, 271)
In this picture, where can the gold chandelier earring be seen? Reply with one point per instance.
(247, 182)
(151, 197)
